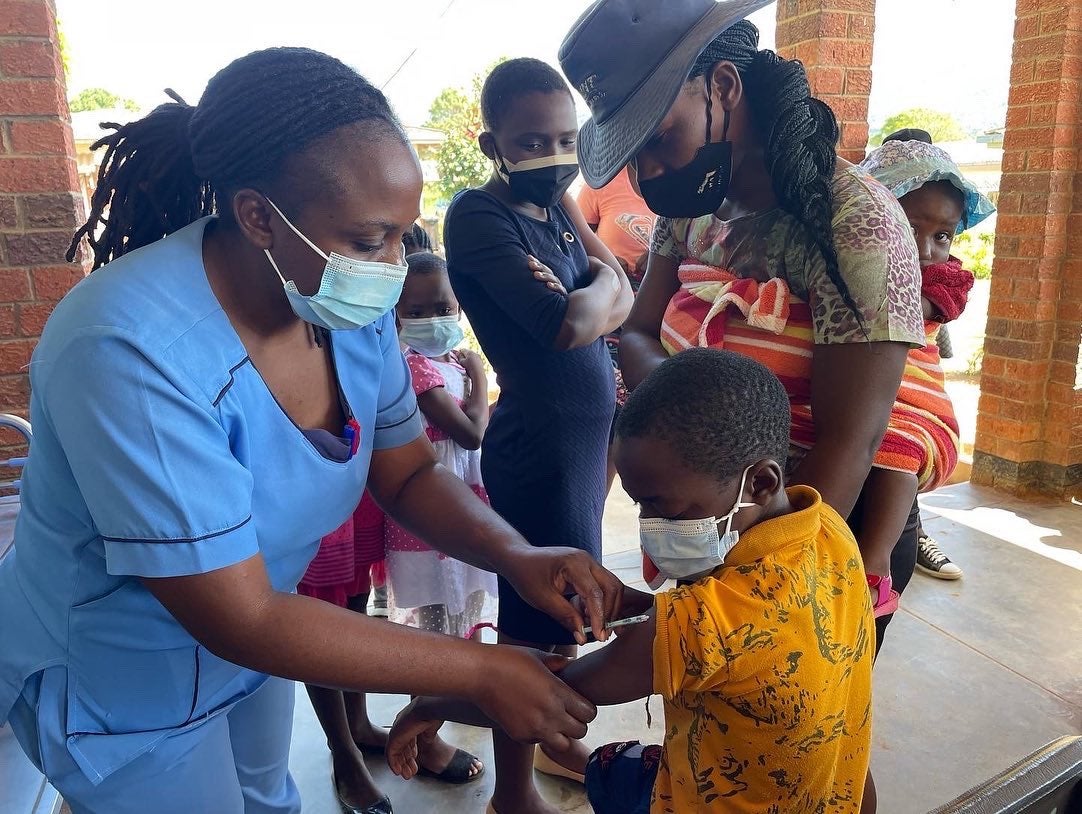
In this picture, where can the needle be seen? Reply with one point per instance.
(631, 620)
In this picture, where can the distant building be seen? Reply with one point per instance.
(980, 161)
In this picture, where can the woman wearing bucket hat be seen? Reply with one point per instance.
(768, 244)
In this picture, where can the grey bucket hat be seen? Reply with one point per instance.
(629, 59)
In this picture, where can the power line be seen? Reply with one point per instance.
(410, 55)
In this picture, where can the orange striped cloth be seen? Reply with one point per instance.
(767, 322)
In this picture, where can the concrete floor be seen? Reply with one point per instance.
(974, 674)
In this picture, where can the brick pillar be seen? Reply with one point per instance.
(833, 38)
(40, 203)
(1029, 424)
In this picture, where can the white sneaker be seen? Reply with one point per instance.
(934, 562)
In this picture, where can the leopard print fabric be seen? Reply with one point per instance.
(877, 258)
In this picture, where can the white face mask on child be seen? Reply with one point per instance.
(689, 549)
(432, 336)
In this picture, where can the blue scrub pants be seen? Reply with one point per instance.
(234, 763)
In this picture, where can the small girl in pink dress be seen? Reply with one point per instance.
(339, 574)
(428, 589)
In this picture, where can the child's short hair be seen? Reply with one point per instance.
(720, 411)
(425, 263)
(515, 78)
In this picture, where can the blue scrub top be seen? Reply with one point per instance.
(159, 451)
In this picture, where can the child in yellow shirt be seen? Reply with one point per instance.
(762, 654)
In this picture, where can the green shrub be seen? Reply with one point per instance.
(976, 252)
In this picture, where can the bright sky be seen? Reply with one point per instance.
(951, 55)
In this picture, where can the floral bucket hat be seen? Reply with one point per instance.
(903, 166)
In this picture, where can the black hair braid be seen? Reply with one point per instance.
(801, 138)
(799, 132)
(146, 184)
(180, 163)
(417, 240)
(269, 105)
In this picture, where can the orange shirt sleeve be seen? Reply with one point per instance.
(589, 204)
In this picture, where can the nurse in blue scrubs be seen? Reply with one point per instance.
(206, 406)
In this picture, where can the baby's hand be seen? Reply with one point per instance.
(402, 740)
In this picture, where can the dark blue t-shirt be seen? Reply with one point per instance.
(548, 437)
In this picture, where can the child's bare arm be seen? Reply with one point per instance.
(476, 404)
(466, 429)
(620, 671)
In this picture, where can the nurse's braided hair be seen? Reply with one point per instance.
(180, 162)
(799, 134)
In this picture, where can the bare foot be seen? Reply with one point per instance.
(573, 759)
(352, 782)
(435, 756)
(530, 802)
(369, 737)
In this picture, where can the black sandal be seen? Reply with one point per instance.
(381, 806)
(458, 769)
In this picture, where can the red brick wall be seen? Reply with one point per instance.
(40, 205)
(1029, 428)
(833, 38)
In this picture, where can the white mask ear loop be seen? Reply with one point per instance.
(298, 233)
(274, 266)
(738, 505)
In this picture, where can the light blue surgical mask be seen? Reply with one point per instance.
(433, 336)
(689, 549)
(352, 293)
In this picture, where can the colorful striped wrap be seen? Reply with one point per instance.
(767, 322)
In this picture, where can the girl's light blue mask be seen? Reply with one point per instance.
(689, 549)
(433, 336)
(352, 293)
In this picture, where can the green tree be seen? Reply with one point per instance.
(976, 251)
(941, 126)
(99, 99)
(62, 42)
(460, 162)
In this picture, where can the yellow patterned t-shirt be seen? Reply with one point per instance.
(765, 668)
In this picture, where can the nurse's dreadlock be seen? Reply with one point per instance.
(799, 134)
(180, 162)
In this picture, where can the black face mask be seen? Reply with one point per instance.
(541, 181)
(699, 187)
